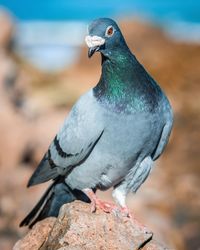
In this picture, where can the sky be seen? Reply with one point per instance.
(160, 10)
(34, 40)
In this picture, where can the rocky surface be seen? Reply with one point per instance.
(77, 228)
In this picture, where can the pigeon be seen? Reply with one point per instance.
(112, 136)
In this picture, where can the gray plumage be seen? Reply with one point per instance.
(116, 130)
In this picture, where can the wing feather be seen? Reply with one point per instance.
(73, 143)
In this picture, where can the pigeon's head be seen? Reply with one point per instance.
(104, 36)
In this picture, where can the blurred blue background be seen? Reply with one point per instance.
(49, 33)
(171, 10)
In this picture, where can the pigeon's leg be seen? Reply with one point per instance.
(107, 207)
(119, 196)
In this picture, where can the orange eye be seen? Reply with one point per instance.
(109, 31)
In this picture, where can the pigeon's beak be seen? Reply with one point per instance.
(92, 50)
(94, 43)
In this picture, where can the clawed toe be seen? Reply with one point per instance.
(107, 207)
(125, 212)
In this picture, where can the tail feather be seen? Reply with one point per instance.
(55, 196)
(26, 221)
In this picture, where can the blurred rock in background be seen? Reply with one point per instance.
(34, 102)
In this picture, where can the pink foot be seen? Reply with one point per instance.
(106, 206)
(109, 207)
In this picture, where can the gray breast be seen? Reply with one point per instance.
(126, 140)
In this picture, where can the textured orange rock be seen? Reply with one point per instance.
(77, 228)
(37, 236)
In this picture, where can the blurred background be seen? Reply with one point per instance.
(44, 69)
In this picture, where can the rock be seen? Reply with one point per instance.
(77, 228)
(37, 236)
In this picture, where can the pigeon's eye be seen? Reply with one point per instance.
(109, 31)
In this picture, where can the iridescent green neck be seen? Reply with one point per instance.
(116, 85)
(124, 85)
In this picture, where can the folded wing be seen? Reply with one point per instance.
(72, 145)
